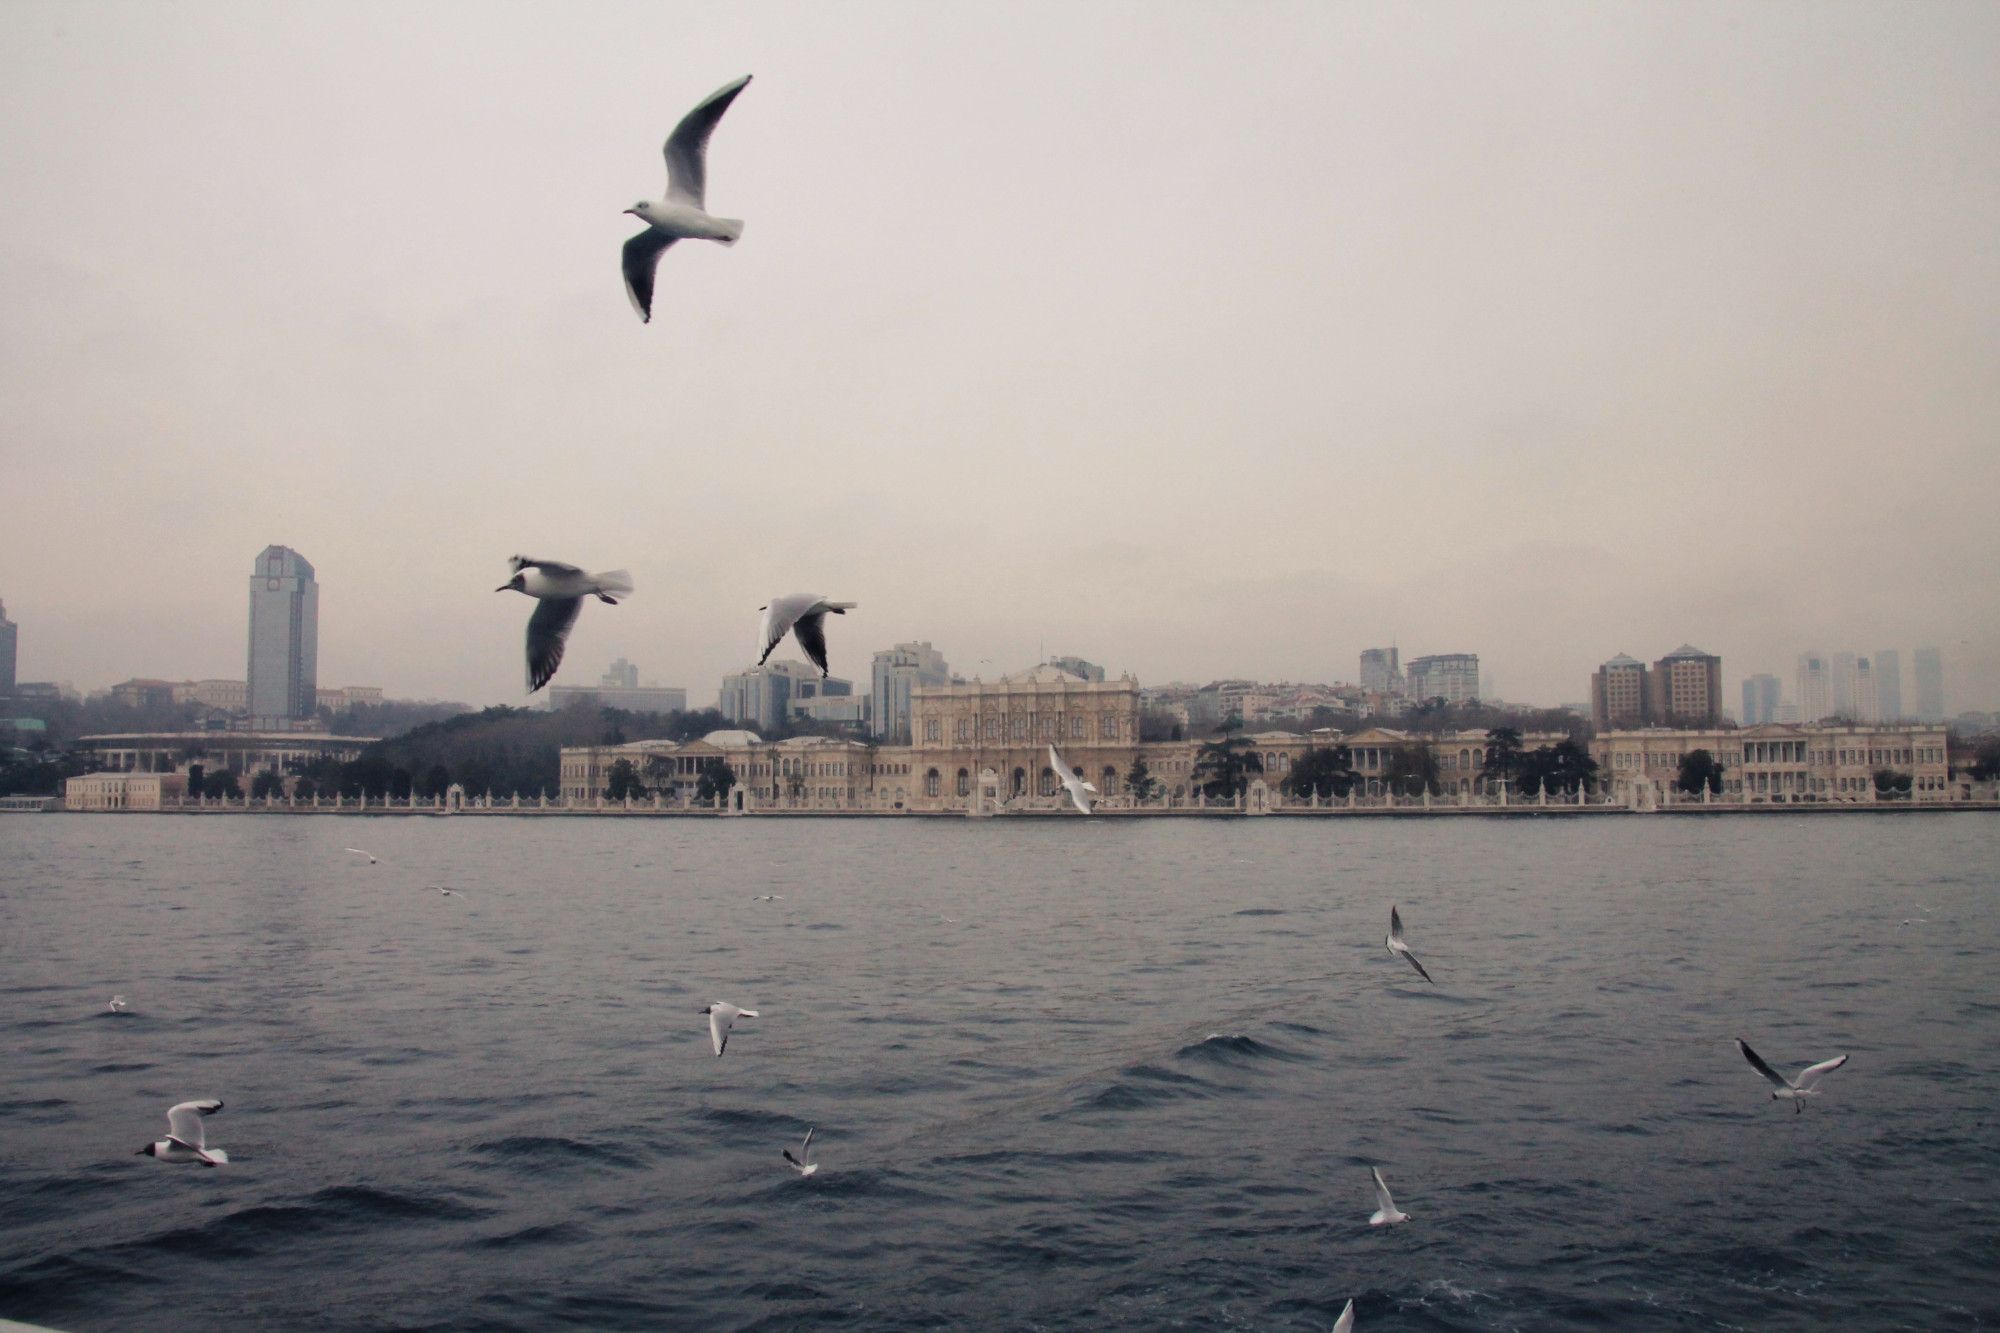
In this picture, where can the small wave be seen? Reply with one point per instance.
(544, 1147)
(1259, 911)
(1233, 1048)
(35, 1110)
(1147, 1085)
(549, 1233)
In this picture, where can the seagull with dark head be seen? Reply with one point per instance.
(1793, 1090)
(186, 1141)
(803, 616)
(682, 215)
(560, 590)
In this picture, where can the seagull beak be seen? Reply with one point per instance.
(503, 587)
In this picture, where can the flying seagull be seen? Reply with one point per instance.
(721, 1017)
(185, 1141)
(358, 852)
(1385, 1214)
(117, 1005)
(769, 898)
(448, 893)
(1793, 1090)
(682, 214)
(1345, 1324)
(803, 1163)
(1394, 944)
(803, 615)
(1074, 785)
(559, 589)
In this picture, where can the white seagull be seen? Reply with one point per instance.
(722, 1017)
(1345, 1324)
(1074, 785)
(803, 615)
(682, 215)
(117, 1005)
(448, 893)
(1385, 1215)
(1793, 1090)
(358, 852)
(185, 1141)
(803, 1163)
(559, 590)
(1394, 944)
(769, 898)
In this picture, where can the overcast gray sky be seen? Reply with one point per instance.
(1199, 340)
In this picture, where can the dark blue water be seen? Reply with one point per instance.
(1136, 1080)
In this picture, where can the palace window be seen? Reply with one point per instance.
(1107, 727)
(964, 783)
(1076, 727)
(933, 783)
(931, 732)
(964, 730)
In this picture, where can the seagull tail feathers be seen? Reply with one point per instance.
(614, 580)
(841, 608)
(732, 230)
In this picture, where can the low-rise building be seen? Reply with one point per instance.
(1776, 763)
(241, 752)
(123, 791)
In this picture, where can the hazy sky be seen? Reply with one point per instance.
(1199, 340)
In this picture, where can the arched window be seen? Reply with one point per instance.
(1020, 781)
(964, 783)
(933, 783)
(1107, 781)
(1048, 781)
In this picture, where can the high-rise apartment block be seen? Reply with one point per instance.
(1381, 671)
(284, 638)
(10, 638)
(1761, 699)
(1452, 677)
(762, 696)
(1686, 689)
(1888, 685)
(1815, 682)
(1928, 664)
(1618, 694)
(896, 672)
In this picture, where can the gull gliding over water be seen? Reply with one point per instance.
(358, 852)
(1074, 785)
(722, 1017)
(1345, 1324)
(682, 215)
(1793, 1090)
(1394, 944)
(185, 1141)
(117, 1005)
(803, 615)
(1385, 1214)
(559, 590)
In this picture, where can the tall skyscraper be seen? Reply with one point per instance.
(1686, 689)
(1760, 699)
(284, 638)
(1452, 677)
(10, 638)
(1815, 686)
(762, 696)
(1618, 694)
(1381, 671)
(1928, 664)
(1866, 706)
(895, 672)
(1889, 685)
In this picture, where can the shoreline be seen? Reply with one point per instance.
(1694, 809)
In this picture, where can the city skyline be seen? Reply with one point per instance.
(1641, 254)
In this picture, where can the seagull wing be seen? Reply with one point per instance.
(1345, 1324)
(805, 1149)
(1757, 1063)
(778, 618)
(793, 1160)
(687, 147)
(810, 631)
(641, 257)
(1382, 1199)
(548, 628)
(1395, 927)
(1411, 959)
(184, 1123)
(1811, 1073)
(553, 568)
(718, 1030)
